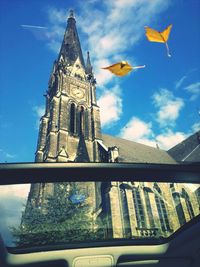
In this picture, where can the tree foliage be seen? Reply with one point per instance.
(60, 219)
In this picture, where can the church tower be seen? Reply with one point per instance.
(70, 127)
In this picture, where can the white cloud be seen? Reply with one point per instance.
(4, 155)
(10, 156)
(169, 139)
(138, 131)
(20, 191)
(53, 33)
(194, 90)
(39, 111)
(101, 75)
(180, 82)
(142, 132)
(40, 32)
(54, 45)
(169, 107)
(57, 16)
(108, 29)
(110, 103)
(196, 127)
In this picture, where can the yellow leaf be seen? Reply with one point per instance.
(120, 68)
(160, 37)
(153, 35)
(156, 36)
(166, 32)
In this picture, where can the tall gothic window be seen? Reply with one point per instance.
(125, 212)
(64, 113)
(86, 124)
(72, 118)
(188, 203)
(139, 209)
(92, 124)
(106, 209)
(148, 205)
(162, 211)
(50, 120)
(82, 120)
(55, 114)
(197, 193)
(178, 205)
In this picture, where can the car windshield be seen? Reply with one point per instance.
(66, 213)
(98, 82)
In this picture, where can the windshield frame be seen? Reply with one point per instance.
(56, 172)
(66, 172)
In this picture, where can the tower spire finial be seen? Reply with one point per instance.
(71, 13)
(88, 64)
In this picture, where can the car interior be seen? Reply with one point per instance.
(182, 248)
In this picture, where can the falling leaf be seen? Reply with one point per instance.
(160, 37)
(121, 68)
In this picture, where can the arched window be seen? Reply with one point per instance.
(149, 207)
(178, 205)
(72, 118)
(139, 209)
(92, 124)
(82, 120)
(188, 203)
(86, 124)
(125, 212)
(105, 216)
(64, 119)
(51, 117)
(162, 211)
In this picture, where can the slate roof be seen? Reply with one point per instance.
(130, 151)
(187, 150)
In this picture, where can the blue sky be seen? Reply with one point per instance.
(159, 104)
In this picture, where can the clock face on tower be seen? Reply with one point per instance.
(77, 92)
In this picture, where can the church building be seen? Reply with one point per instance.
(70, 131)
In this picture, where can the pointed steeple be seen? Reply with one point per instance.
(71, 48)
(88, 64)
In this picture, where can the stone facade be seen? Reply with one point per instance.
(149, 209)
(70, 131)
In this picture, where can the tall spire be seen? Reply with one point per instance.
(71, 48)
(88, 64)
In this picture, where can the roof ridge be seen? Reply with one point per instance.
(127, 140)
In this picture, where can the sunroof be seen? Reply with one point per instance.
(65, 213)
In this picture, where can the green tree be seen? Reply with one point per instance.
(64, 217)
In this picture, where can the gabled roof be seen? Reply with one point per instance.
(130, 151)
(187, 150)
